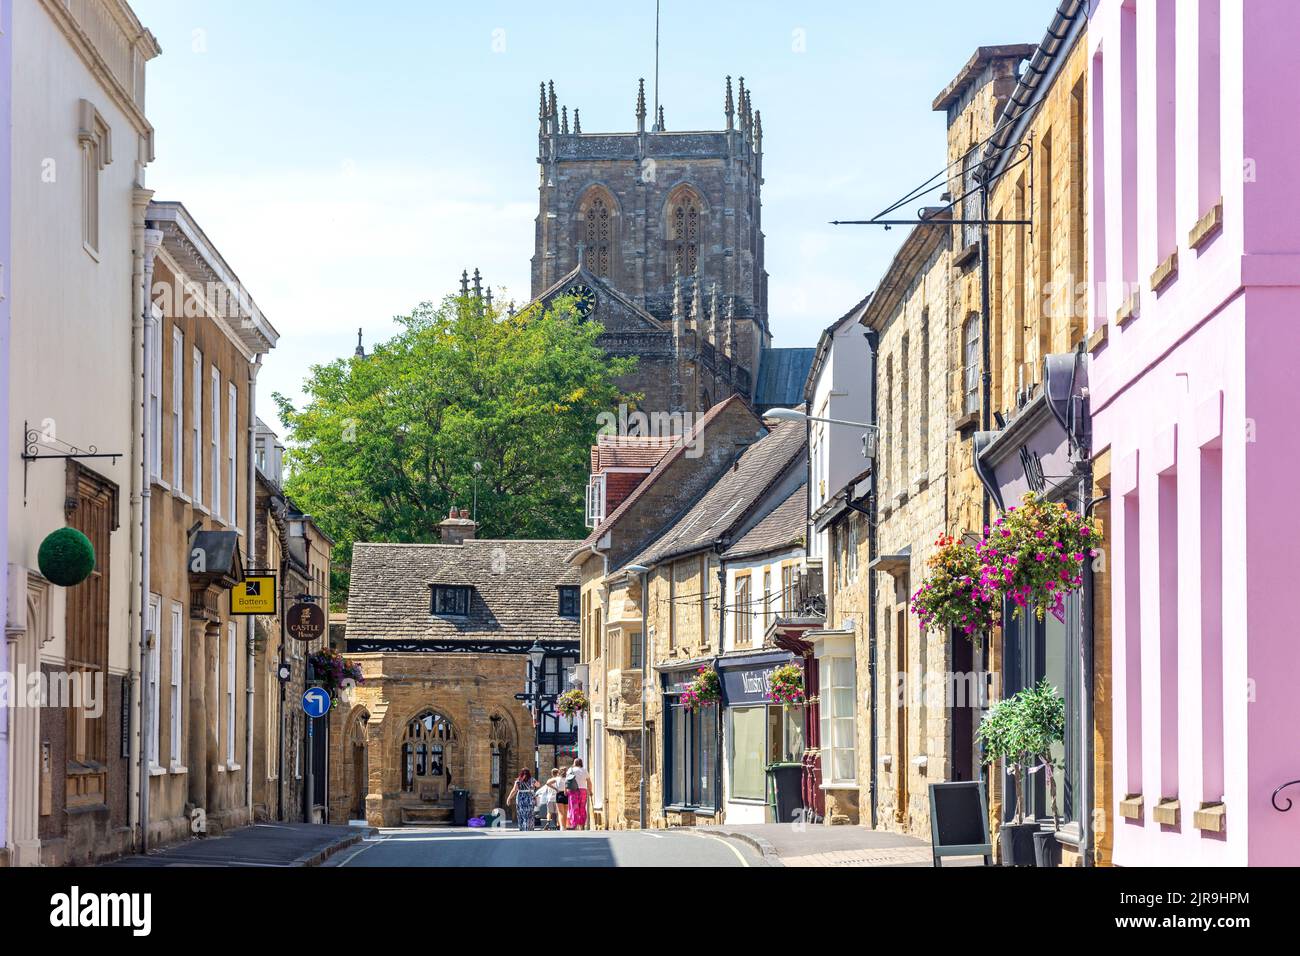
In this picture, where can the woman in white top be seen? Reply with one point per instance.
(546, 795)
(577, 785)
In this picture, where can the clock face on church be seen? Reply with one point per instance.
(584, 298)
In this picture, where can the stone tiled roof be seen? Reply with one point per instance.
(725, 505)
(514, 590)
(628, 451)
(785, 527)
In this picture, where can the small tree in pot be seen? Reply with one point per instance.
(1021, 731)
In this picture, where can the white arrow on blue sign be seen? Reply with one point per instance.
(315, 702)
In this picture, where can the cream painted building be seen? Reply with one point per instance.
(80, 144)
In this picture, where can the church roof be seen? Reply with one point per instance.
(602, 288)
(514, 590)
(781, 377)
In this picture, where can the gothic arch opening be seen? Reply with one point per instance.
(684, 230)
(429, 756)
(597, 231)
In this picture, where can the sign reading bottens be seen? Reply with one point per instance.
(306, 622)
(253, 595)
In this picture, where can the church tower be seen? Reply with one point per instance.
(670, 223)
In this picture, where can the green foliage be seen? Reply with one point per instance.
(385, 444)
(66, 557)
(1021, 730)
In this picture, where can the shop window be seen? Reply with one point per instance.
(693, 756)
(838, 720)
(748, 752)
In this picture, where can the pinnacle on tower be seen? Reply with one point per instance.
(360, 350)
(730, 107)
(564, 120)
(577, 123)
(541, 106)
(697, 303)
(713, 314)
(640, 105)
(464, 284)
(551, 89)
(729, 333)
(478, 286)
(758, 131)
(660, 124)
(741, 105)
(679, 303)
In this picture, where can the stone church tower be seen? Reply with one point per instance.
(659, 236)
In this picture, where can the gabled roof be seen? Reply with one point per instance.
(824, 346)
(628, 451)
(786, 526)
(602, 288)
(731, 499)
(514, 593)
(678, 450)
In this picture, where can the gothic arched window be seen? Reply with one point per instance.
(685, 214)
(424, 749)
(596, 232)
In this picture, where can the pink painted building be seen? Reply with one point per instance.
(1195, 381)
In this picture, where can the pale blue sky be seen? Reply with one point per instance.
(351, 159)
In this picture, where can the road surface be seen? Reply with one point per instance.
(445, 846)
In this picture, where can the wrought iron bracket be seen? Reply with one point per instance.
(37, 447)
(1281, 809)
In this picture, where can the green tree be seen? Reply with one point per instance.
(386, 443)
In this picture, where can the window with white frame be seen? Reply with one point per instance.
(231, 658)
(96, 143)
(155, 395)
(744, 611)
(155, 668)
(196, 424)
(232, 486)
(971, 368)
(215, 441)
(178, 668)
(838, 720)
(178, 407)
(595, 500)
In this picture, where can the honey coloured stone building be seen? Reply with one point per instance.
(442, 633)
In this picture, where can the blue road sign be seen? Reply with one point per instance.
(315, 702)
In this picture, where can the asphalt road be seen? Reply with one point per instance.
(444, 846)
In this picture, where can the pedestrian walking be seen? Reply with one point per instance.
(546, 797)
(523, 793)
(576, 786)
(561, 798)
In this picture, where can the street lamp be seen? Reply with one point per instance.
(536, 655)
(870, 437)
(642, 570)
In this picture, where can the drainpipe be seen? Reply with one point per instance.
(250, 549)
(873, 342)
(152, 239)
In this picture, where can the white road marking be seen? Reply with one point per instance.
(365, 845)
(727, 843)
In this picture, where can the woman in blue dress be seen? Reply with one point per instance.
(523, 793)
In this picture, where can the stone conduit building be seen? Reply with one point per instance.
(442, 632)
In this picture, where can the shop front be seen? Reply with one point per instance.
(692, 758)
(1044, 449)
(756, 733)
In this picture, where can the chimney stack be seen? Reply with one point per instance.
(457, 527)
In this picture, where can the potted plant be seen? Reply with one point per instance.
(572, 703)
(1034, 555)
(786, 683)
(704, 690)
(1020, 731)
(957, 593)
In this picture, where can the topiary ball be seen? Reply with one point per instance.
(66, 557)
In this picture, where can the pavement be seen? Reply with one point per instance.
(815, 844)
(262, 844)
(502, 847)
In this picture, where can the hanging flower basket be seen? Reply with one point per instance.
(704, 690)
(1034, 555)
(332, 671)
(957, 594)
(787, 685)
(572, 703)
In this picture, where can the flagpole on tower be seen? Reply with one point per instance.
(656, 112)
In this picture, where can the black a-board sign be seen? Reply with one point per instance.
(959, 820)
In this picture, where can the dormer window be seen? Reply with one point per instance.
(568, 601)
(450, 601)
